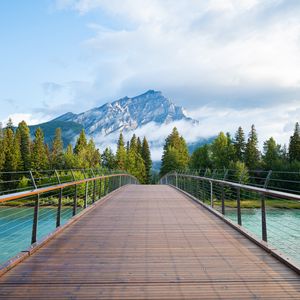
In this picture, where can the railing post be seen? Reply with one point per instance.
(239, 216)
(120, 180)
(58, 216)
(223, 200)
(263, 219)
(32, 179)
(100, 188)
(75, 196)
(35, 219)
(211, 194)
(86, 194)
(94, 191)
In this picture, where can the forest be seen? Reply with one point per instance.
(20, 152)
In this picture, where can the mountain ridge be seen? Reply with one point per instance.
(127, 114)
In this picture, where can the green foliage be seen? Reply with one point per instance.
(252, 155)
(25, 145)
(146, 155)
(175, 155)
(2, 153)
(201, 158)
(239, 144)
(222, 151)
(121, 153)
(241, 173)
(81, 142)
(272, 153)
(108, 159)
(294, 146)
(39, 154)
(57, 151)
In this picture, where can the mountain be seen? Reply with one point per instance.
(69, 130)
(127, 114)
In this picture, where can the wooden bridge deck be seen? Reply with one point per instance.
(150, 242)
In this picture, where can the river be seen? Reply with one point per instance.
(16, 226)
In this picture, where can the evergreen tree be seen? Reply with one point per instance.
(57, 151)
(81, 142)
(108, 159)
(201, 158)
(69, 158)
(139, 146)
(175, 155)
(294, 146)
(220, 151)
(271, 153)
(121, 153)
(11, 151)
(25, 145)
(146, 155)
(2, 154)
(39, 154)
(93, 155)
(10, 124)
(239, 144)
(133, 143)
(252, 155)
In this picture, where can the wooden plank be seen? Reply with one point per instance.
(150, 242)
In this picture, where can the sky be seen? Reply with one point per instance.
(227, 62)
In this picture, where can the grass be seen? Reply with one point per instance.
(274, 203)
(51, 201)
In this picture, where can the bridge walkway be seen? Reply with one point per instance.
(150, 242)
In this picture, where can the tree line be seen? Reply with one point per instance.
(238, 152)
(19, 152)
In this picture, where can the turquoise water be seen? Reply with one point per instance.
(283, 228)
(16, 227)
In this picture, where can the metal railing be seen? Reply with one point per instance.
(27, 216)
(260, 210)
(275, 180)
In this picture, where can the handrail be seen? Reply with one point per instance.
(81, 190)
(264, 191)
(37, 191)
(209, 190)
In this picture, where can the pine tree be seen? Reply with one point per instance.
(121, 154)
(271, 153)
(139, 146)
(69, 158)
(93, 155)
(201, 158)
(174, 143)
(220, 151)
(239, 144)
(252, 155)
(11, 151)
(294, 146)
(57, 151)
(39, 154)
(146, 155)
(108, 159)
(133, 143)
(25, 145)
(2, 154)
(81, 142)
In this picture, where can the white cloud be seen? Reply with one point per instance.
(29, 118)
(195, 51)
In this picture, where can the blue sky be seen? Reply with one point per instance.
(229, 62)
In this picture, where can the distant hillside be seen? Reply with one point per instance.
(69, 130)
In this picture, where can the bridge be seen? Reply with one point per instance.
(145, 242)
